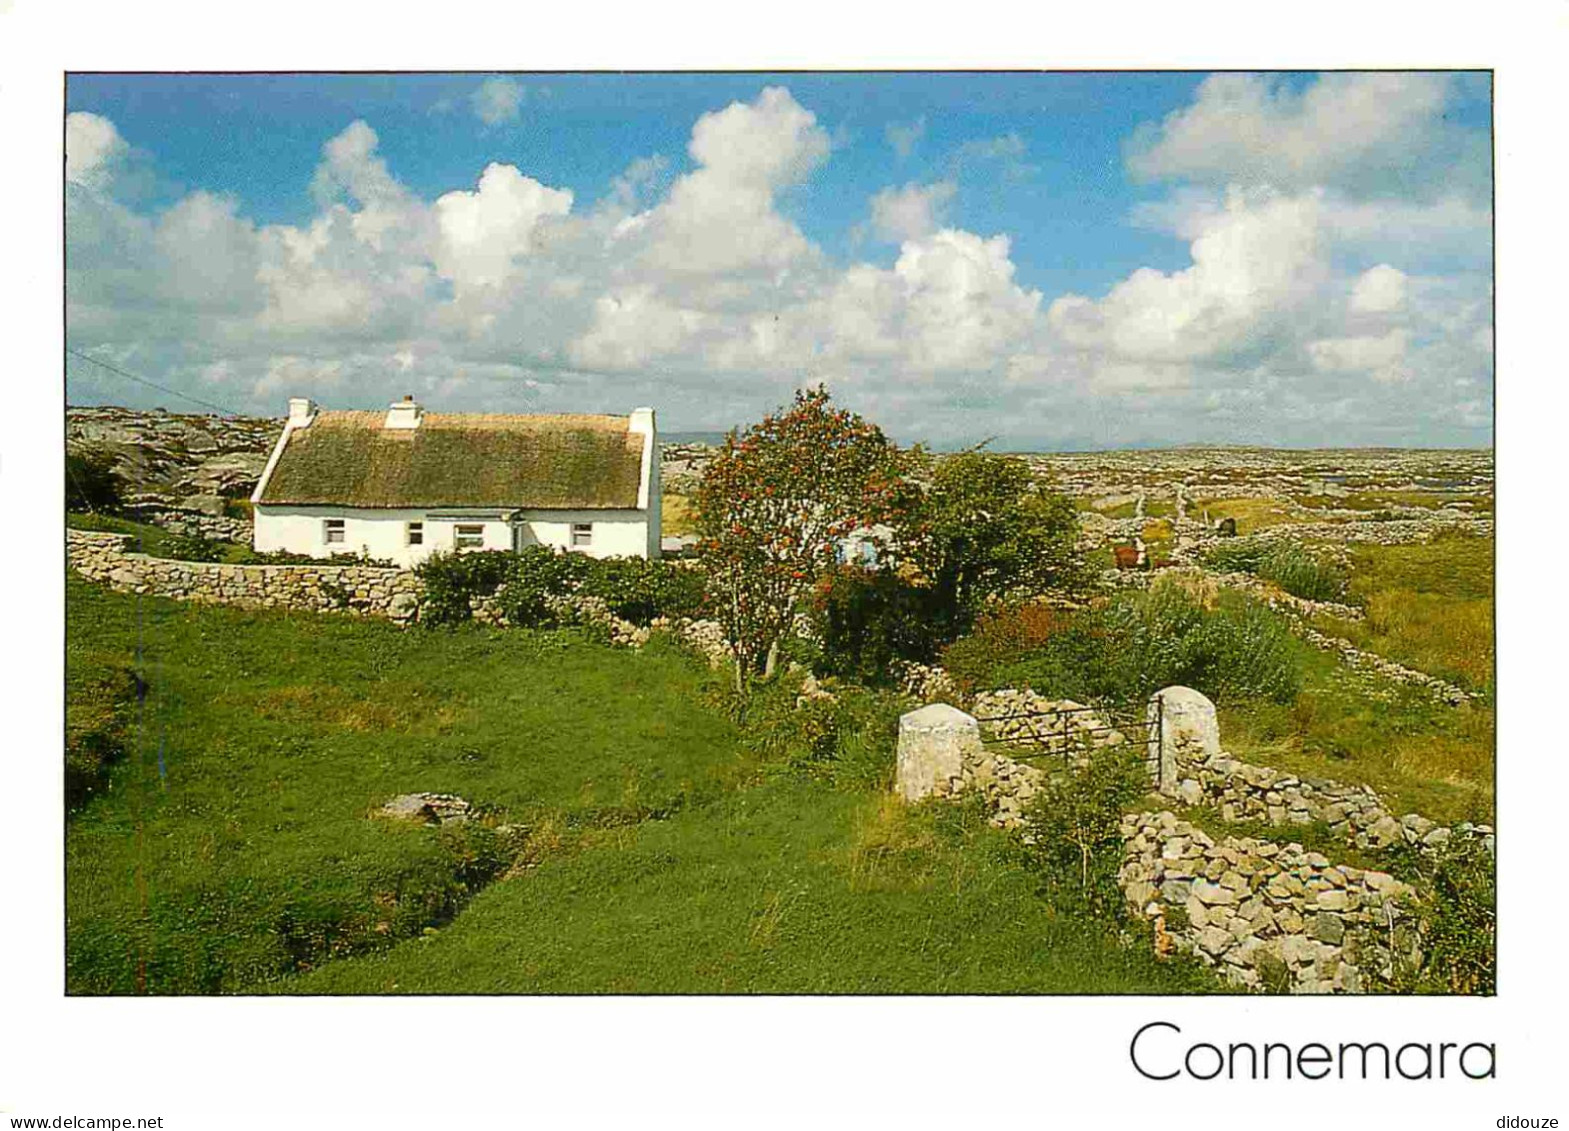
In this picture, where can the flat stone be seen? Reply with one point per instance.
(431, 808)
(1214, 940)
(1329, 929)
(1213, 894)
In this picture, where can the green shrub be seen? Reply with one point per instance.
(273, 557)
(1303, 575)
(1133, 646)
(91, 483)
(451, 579)
(1235, 557)
(1075, 841)
(534, 576)
(867, 619)
(192, 548)
(1287, 564)
(525, 582)
(848, 737)
(1456, 907)
(639, 590)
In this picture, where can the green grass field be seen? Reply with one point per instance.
(1429, 606)
(233, 848)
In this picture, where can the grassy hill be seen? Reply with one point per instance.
(629, 839)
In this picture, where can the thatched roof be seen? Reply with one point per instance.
(459, 460)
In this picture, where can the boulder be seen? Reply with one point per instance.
(404, 607)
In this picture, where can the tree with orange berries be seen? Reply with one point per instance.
(774, 507)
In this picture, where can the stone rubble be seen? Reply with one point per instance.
(427, 808)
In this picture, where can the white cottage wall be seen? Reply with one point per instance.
(383, 533)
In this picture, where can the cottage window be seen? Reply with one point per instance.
(416, 534)
(582, 533)
(332, 530)
(470, 537)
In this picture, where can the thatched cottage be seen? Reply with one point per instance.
(407, 483)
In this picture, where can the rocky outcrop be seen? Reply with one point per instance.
(172, 456)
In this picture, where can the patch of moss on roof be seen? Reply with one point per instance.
(457, 460)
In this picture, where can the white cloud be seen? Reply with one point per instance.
(1253, 262)
(1379, 290)
(1005, 152)
(905, 136)
(1257, 129)
(910, 212)
(497, 100)
(1381, 357)
(1301, 308)
(720, 219)
(482, 232)
(92, 147)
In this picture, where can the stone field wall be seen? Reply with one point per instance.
(1263, 914)
(366, 590)
(321, 587)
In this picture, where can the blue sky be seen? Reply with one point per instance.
(1057, 259)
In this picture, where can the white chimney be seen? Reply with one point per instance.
(641, 422)
(405, 413)
(302, 410)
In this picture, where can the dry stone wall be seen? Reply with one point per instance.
(366, 590)
(1241, 791)
(1263, 914)
(321, 587)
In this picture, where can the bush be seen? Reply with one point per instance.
(639, 590)
(1235, 557)
(1076, 830)
(533, 577)
(1457, 914)
(1286, 564)
(451, 579)
(867, 619)
(847, 738)
(1134, 646)
(1302, 575)
(192, 548)
(91, 483)
(526, 585)
(273, 557)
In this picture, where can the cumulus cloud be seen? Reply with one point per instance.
(92, 147)
(497, 100)
(1302, 307)
(483, 232)
(1361, 131)
(1254, 262)
(910, 212)
(1381, 356)
(1379, 290)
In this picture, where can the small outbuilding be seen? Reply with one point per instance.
(406, 483)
